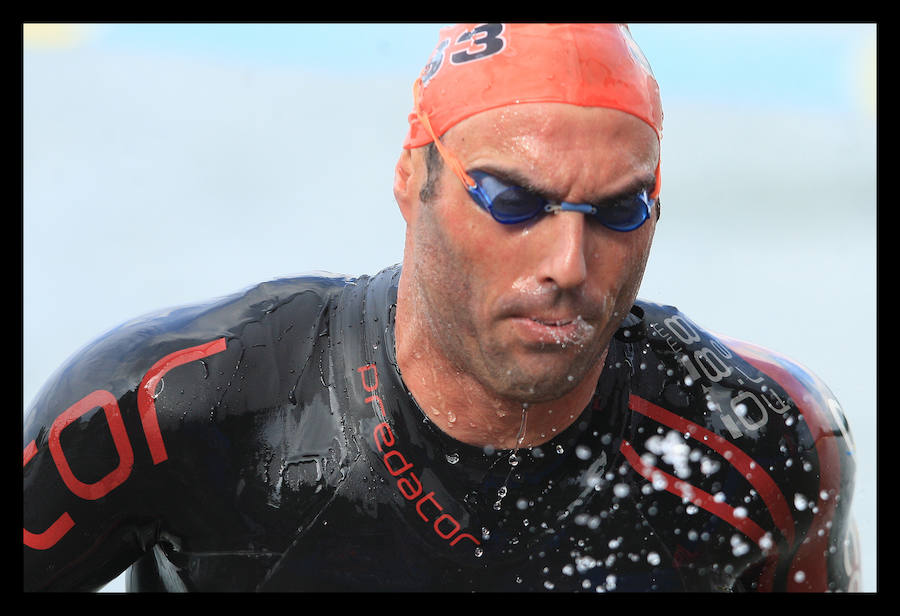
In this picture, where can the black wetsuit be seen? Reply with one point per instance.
(266, 442)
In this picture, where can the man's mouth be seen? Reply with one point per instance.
(553, 329)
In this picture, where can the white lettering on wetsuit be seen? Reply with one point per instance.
(747, 413)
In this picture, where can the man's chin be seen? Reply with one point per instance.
(538, 385)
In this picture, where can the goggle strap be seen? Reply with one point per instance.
(454, 163)
(655, 194)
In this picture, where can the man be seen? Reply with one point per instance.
(498, 414)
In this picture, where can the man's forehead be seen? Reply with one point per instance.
(536, 138)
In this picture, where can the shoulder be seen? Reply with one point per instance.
(136, 353)
(773, 433)
(762, 385)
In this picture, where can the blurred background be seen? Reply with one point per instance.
(170, 163)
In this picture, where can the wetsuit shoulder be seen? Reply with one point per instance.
(115, 440)
(766, 447)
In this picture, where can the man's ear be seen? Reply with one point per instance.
(406, 185)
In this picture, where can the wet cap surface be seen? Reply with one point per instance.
(477, 67)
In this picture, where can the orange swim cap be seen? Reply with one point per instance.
(479, 67)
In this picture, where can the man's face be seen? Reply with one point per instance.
(528, 309)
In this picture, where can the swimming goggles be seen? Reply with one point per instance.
(510, 204)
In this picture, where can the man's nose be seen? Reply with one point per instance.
(563, 250)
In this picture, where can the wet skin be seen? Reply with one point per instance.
(519, 315)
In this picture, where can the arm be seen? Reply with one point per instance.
(825, 553)
(94, 476)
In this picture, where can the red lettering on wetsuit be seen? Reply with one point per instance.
(107, 401)
(408, 484)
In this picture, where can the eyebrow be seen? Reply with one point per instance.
(513, 176)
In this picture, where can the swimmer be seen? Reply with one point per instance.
(497, 413)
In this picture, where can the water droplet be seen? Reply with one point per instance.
(478, 552)
(159, 388)
(453, 458)
(621, 490)
(800, 576)
(559, 449)
(659, 481)
(583, 452)
(800, 502)
(738, 546)
(653, 558)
